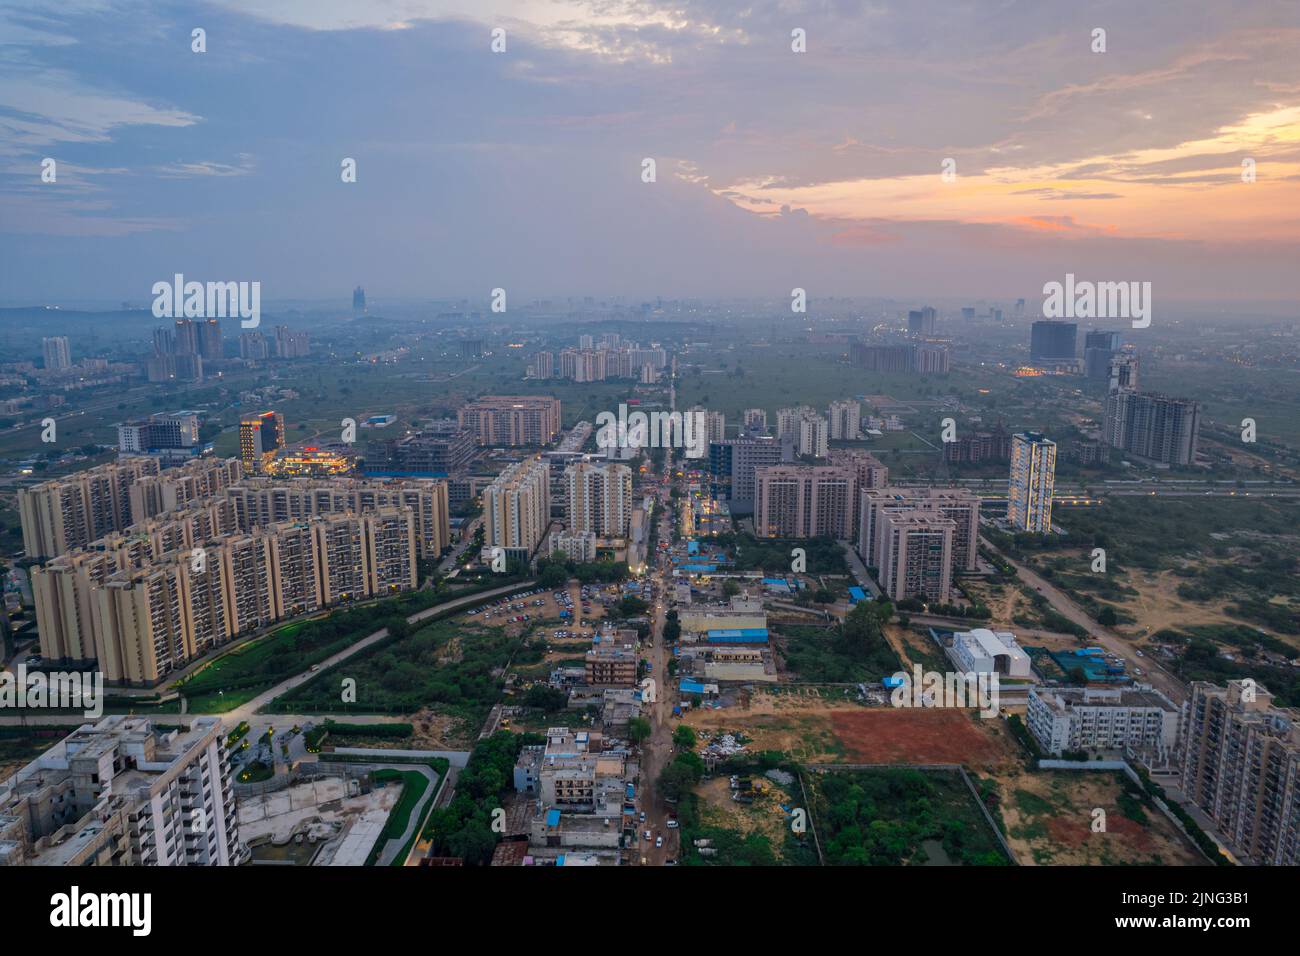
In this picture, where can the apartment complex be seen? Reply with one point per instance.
(512, 420)
(122, 792)
(1241, 765)
(804, 501)
(959, 506)
(1033, 480)
(755, 419)
(517, 507)
(921, 358)
(261, 437)
(71, 512)
(1133, 719)
(1152, 426)
(599, 499)
(143, 613)
(805, 428)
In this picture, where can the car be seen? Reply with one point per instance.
(659, 841)
(1140, 654)
(643, 816)
(673, 824)
(647, 836)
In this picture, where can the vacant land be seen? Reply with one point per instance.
(919, 736)
(1050, 818)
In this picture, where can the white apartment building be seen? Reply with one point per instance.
(1138, 718)
(123, 793)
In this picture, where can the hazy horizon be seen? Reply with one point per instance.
(522, 169)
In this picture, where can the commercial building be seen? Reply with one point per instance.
(804, 501)
(1241, 766)
(921, 321)
(1136, 720)
(733, 464)
(122, 792)
(983, 651)
(431, 453)
(1099, 350)
(512, 420)
(1052, 342)
(166, 434)
(261, 436)
(1033, 479)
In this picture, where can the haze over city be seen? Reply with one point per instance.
(522, 170)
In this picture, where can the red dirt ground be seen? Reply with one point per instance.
(913, 735)
(1073, 832)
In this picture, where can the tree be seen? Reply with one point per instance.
(1108, 617)
(638, 729)
(684, 736)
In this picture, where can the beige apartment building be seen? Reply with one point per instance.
(71, 512)
(599, 499)
(513, 420)
(804, 501)
(517, 506)
(1241, 765)
(915, 555)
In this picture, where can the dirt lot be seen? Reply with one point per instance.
(763, 815)
(1049, 819)
(815, 729)
(799, 724)
(913, 735)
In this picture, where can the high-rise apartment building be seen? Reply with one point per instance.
(804, 501)
(1241, 766)
(755, 420)
(1156, 427)
(599, 499)
(512, 420)
(915, 555)
(123, 792)
(959, 506)
(845, 420)
(517, 507)
(809, 431)
(1033, 479)
(57, 352)
(922, 321)
(72, 511)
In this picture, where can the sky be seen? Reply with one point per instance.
(822, 170)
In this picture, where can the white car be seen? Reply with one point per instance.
(659, 841)
(672, 824)
(647, 835)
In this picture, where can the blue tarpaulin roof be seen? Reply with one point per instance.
(857, 594)
(692, 687)
(552, 818)
(739, 635)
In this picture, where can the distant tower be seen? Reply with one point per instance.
(358, 301)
